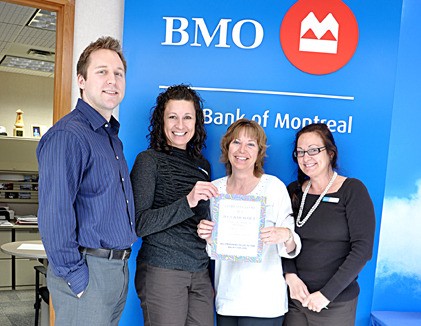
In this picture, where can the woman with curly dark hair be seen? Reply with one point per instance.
(171, 184)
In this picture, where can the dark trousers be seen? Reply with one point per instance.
(337, 314)
(173, 297)
(248, 321)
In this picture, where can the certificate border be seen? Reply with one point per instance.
(215, 216)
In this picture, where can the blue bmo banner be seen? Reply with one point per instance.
(284, 64)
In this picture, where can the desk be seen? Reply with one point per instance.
(12, 248)
(15, 270)
(395, 318)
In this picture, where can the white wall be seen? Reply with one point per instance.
(32, 94)
(93, 19)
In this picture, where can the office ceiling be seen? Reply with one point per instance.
(17, 39)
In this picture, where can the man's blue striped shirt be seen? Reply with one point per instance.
(85, 194)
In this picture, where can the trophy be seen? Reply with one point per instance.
(18, 130)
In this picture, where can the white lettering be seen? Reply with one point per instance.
(279, 123)
(286, 122)
(257, 118)
(239, 115)
(258, 37)
(307, 121)
(221, 30)
(222, 27)
(282, 121)
(295, 123)
(265, 118)
(331, 124)
(349, 124)
(170, 30)
(219, 118)
(207, 115)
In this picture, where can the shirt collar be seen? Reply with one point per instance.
(95, 119)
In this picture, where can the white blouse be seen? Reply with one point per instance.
(258, 289)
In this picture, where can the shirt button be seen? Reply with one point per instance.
(106, 125)
(122, 179)
(116, 157)
(127, 201)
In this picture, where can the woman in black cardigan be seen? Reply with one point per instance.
(171, 184)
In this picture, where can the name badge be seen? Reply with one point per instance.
(333, 200)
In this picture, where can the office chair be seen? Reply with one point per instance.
(41, 292)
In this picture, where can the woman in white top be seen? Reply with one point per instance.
(249, 293)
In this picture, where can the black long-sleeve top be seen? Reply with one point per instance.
(337, 241)
(164, 219)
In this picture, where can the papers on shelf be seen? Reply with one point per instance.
(5, 223)
(31, 246)
(27, 219)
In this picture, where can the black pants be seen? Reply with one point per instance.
(338, 314)
(248, 321)
(173, 297)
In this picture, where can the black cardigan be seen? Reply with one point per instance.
(164, 219)
(337, 241)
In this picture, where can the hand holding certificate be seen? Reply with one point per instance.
(238, 221)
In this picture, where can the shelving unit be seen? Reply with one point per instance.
(18, 192)
(19, 168)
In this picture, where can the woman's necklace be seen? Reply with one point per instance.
(300, 223)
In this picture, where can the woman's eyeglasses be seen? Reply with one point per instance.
(311, 151)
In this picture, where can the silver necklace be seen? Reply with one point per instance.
(300, 223)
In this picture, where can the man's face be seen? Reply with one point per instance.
(105, 82)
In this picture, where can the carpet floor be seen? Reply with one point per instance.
(17, 307)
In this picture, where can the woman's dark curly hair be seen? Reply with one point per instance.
(157, 138)
(327, 138)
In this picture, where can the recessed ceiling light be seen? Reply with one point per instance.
(41, 54)
(25, 63)
(44, 19)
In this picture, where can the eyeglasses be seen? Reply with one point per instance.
(311, 151)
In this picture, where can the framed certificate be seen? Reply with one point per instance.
(238, 221)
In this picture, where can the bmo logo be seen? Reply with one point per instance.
(319, 36)
(176, 32)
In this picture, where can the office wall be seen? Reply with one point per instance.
(33, 95)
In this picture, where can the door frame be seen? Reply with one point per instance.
(64, 50)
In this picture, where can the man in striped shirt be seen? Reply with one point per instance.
(86, 210)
